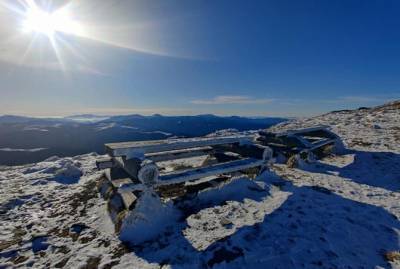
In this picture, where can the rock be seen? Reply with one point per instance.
(376, 126)
(20, 259)
(225, 222)
(78, 228)
(293, 162)
(39, 243)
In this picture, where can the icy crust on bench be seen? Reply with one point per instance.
(222, 168)
(143, 147)
(148, 219)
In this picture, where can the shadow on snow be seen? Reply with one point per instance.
(312, 228)
(377, 169)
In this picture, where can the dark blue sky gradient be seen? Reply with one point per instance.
(271, 57)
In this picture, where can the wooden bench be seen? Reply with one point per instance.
(305, 142)
(133, 175)
(155, 146)
(197, 173)
(139, 159)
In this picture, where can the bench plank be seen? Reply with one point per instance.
(322, 143)
(193, 174)
(178, 154)
(128, 198)
(143, 147)
(304, 130)
(104, 163)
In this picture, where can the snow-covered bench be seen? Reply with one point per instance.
(139, 159)
(305, 142)
(133, 169)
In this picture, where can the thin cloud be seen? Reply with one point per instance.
(349, 100)
(363, 99)
(231, 99)
(128, 110)
(91, 70)
(57, 67)
(360, 99)
(79, 68)
(108, 111)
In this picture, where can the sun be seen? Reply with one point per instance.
(40, 21)
(58, 25)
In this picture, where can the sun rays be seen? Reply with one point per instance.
(41, 21)
(40, 39)
(68, 37)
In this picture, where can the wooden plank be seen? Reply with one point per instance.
(178, 154)
(121, 181)
(198, 173)
(302, 140)
(144, 147)
(128, 198)
(322, 143)
(248, 151)
(115, 173)
(305, 130)
(104, 163)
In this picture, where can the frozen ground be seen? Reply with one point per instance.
(342, 212)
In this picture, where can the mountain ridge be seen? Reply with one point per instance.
(85, 133)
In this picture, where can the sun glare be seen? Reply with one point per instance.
(62, 33)
(41, 21)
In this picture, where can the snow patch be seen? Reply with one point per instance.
(22, 150)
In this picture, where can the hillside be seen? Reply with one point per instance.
(373, 129)
(341, 212)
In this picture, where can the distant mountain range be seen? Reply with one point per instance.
(26, 139)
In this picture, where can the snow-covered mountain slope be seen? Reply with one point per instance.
(342, 212)
(373, 129)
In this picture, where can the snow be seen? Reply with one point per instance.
(22, 150)
(87, 118)
(35, 128)
(214, 223)
(105, 126)
(158, 132)
(129, 127)
(148, 219)
(340, 212)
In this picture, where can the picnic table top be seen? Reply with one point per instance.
(151, 146)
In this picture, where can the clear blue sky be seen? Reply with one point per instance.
(265, 58)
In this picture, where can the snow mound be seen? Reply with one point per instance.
(148, 220)
(69, 173)
(236, 190)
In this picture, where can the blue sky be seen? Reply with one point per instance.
(253, 58)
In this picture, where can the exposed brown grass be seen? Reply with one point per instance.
(181, 166)
(392, 256)
(292, 162)
(252, 172)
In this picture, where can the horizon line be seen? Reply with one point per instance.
(142, 115)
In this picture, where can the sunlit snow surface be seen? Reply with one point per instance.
(342, 212)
